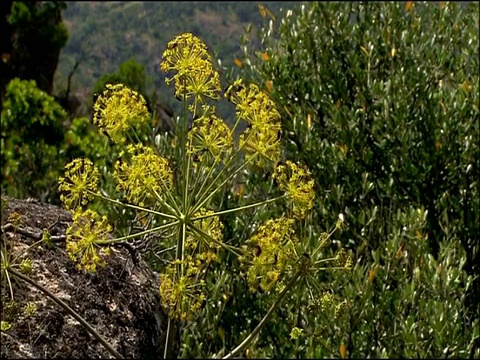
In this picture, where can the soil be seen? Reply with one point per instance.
(121, 301)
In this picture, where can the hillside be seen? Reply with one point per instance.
(102, 35)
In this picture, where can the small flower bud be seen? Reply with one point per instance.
(26, 266)
(296, 333)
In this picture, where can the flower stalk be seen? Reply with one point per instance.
(265, 319)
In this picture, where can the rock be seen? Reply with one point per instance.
(121, 301)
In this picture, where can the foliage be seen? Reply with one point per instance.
(380, 101)
(31, 130)
(23, 14)
(405, 303)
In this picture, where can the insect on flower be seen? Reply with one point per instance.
(258, 250)
(233, 88)
(172, 45)
(275, 259)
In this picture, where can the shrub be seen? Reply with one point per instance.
(380, 100)
(31, 131)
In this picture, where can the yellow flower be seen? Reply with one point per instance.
(210, 138)
(181, 297)
(142, 176)
(118, 109)
(269, 252)
(26, 266)
(30, 309)
(344, 259)
(327, 301)
(296, 181)
(263, 143)
(252, 105)
(187, 57)
(210, 225)
(183, 293)
(81, 178)
(201, 83)
(84, 237)
(182, 52)
(261, 139)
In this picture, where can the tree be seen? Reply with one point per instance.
(130, 73)
(32, 39)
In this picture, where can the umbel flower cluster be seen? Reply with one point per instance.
(179, 194)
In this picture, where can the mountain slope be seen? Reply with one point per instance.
(105, 34)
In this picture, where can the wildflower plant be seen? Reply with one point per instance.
(180, 190)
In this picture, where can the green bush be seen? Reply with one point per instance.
(37, 141)
(380, 100)
(405, 303)
(30, 134)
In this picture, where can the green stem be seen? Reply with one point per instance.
(72, 312)
(205, 235)
(173, 207)
(132, 206)
(217, 161)
(229, 177)
(314, 282)
(136, 136)
(29, 247)
(235, 126)
(324, 260)
(328, 268)
(210, 172)
(184, 146)
(123, 238)
(168, 340)
(239, 208)
(220, 173)
(323, 243)
(175, 210)
(186, 201)
(181, 248)
(262, 323)
(179, 256)
(9, 284)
